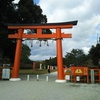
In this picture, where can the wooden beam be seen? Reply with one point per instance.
(13, 36)
(42, 27)
(39, 36)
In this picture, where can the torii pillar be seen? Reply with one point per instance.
(58, 36)
(60, 69)
(15, 70)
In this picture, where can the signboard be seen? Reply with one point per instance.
(6, 65)
(5, 73)
(79, 70)
(68, 71)
(67, 77)
(77, 78)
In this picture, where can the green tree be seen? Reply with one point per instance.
(53, 61)
(25, 54)
(29, 12)
(25, 61)
(7, 15)
(7, 11)
(25, 12)
(95, 54)
(76, 57)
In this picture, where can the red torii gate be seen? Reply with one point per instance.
(57, 36)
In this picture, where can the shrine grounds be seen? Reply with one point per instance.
(47, 90)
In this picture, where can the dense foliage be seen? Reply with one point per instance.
(95, 54)
(25, 12)
(76, 57)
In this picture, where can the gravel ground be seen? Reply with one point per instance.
(42, 90)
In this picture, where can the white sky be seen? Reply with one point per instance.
(84, 35)
(16, 1)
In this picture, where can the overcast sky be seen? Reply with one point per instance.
(84, 35)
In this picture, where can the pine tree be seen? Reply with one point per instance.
(29, 12)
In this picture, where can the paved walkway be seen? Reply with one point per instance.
(42, 90)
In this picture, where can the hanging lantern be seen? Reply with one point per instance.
(26, 41)
(40, 44)
(47, 43)
(31, 43)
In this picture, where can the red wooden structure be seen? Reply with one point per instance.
(58, 36)
(84, 73)
(96, 74)
(80, 71)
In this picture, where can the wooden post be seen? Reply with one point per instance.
(15, 71)
(59, 56)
